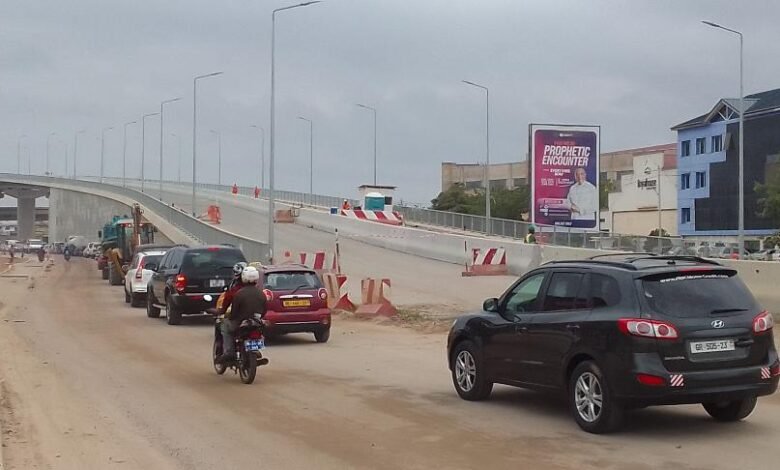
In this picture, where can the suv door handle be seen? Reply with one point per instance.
(572, 327)
(521, 328)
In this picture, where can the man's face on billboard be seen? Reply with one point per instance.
(579, 175)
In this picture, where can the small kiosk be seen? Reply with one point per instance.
(375, 205)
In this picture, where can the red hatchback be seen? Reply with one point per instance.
(297, 301)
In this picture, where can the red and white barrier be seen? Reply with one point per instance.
(383, 217)
(487, 262)
(336, 300)
(375, 299)
(317, 261)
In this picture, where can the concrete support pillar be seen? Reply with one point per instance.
(25, 214)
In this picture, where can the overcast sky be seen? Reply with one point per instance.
(635, 68)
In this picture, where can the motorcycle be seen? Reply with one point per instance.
(67, 255)
(41, 256)
(249, 344)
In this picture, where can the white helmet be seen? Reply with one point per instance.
(250, 275)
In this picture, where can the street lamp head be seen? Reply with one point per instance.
(305, 4)
(710, 23)
(304, 119)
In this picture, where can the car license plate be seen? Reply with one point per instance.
(712, 346)
(296, 303)
(216, 283)
(253, 345)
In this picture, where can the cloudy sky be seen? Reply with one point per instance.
(634, 67)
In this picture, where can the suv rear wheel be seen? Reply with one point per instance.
(468, 374)
(730, 411)
(151, 310)
(171, 312)
(591, 401)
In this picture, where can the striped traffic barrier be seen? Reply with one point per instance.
(336, 300)
(383, 217)
(487, 262)
(375, 299)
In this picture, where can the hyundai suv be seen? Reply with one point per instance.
(185, 275)
(622, 333)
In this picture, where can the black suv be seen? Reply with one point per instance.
(185, 275)
(630, 332)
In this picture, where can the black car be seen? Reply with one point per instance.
(619, 334)
(185, 275)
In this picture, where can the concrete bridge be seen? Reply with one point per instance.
(25, 202)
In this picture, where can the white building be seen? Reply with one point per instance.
(634, 204)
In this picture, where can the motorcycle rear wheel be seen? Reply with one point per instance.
(247, 369)
(218, 368)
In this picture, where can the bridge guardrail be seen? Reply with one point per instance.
(208, 234)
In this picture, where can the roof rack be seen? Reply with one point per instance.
(695, 259)
(617, 264)
(622, 254)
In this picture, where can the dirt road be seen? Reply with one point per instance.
(90, 383)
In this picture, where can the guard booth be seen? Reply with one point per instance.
(376, 198)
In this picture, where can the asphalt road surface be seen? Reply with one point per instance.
(90, 383)
(428, 286)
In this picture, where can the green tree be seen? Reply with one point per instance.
(772, 241)
(606, 186)
(505, 203)
(768, 203)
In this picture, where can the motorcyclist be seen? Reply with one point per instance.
(41, 253)
(247, 302)
(226, 299)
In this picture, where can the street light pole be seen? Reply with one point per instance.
(741, 223)
(195, 132)
(76, 149)
(311, 158)
(219, 156)
(124, 153)
(48, 144)
(178, 144)
(103, 150)
(143, 147)
(488, 222)
(374, 111)
(271, 195)
(162, 139)
(19, 154)
(262, 154)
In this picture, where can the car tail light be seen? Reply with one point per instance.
(139, 272)
(763, 322)
(323, 294)
(180, 283)
(775, 371)
(650, 380)
(255, 334)
(647, 328)
(269, 296)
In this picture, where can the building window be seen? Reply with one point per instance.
(685, 181)
(717, 143)
(685, 215)
(701, 145)
(701, 179)
(685, 148)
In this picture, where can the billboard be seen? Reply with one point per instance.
(564, 164)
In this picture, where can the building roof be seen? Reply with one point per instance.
(765, 101)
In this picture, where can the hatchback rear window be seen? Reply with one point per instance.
(148, 259)
(292, 280)
(695, 295)
(211, 260)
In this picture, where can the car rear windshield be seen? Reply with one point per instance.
(148, 259)
(697, 294)
(291, 280)
(211, 260)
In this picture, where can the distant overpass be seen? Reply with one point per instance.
(10, 213)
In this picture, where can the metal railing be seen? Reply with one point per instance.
(506, 228)
(208, 234)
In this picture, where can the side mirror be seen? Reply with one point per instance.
(490, 305)
(151, 266)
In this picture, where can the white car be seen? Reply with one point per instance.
(137, 278)
(33, 245)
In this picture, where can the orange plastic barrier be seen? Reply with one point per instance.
(213, 214)
(284, 216)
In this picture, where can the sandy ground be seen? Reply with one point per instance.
(90, 383)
